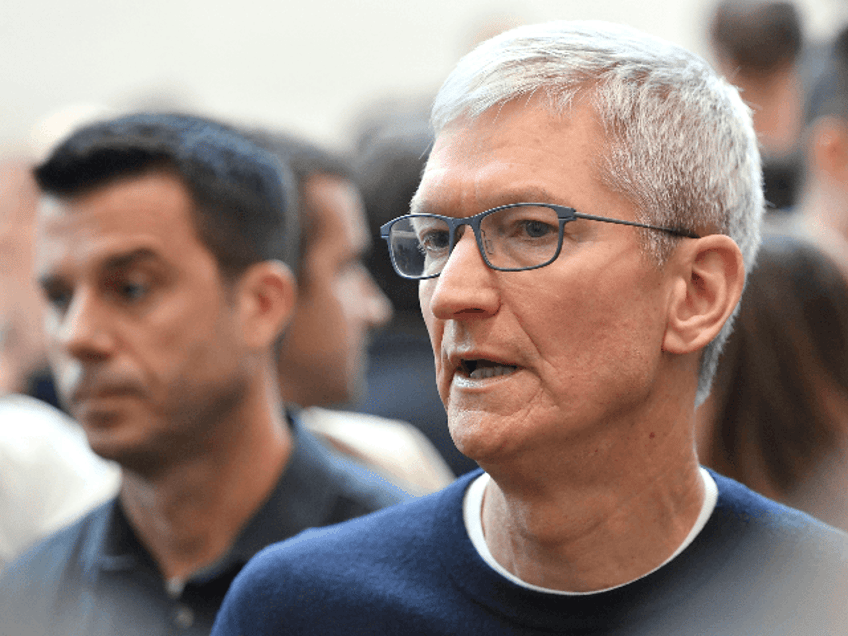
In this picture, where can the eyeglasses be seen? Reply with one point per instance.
(510, 237)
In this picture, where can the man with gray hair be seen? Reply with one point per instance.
(582, 233)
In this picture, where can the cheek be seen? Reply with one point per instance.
(186, 334)
(348, 298)
(342, 321)
(425, 293)
(607, 351)
(575, 330)
(325, 324)
(435, 327)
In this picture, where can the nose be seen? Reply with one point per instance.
(378, 308)
(81, 331)
(466, 286)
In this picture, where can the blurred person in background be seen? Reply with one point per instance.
(777, 417)
(390, 155)
(757, 45)
(324, 352)
(392, 139)
(48, 475)
(22, 354)
(158, 254)
(823, 206)
(23, 361)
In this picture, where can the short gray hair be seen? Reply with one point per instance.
(680, 141)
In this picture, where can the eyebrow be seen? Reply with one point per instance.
(132, 257)
(528, 194)
(116, 261)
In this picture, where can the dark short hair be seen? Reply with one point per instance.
(757, 35)
(390, 162)
(829, 94)
(305, 159)
(240, 191)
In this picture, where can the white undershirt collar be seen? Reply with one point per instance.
(472, 514)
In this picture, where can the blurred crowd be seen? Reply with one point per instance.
(355, 364)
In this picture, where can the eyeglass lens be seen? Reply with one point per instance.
(510, 238)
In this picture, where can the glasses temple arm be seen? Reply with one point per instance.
(675, 231)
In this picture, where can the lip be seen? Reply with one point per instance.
(455, 364)
(461, 381)
(89, 395)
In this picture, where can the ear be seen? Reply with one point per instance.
(709, 276)
(828, 147)
(267, 295)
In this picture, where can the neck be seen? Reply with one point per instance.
(605, 513)
(189, 514)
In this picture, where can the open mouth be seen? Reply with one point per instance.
(480, 369)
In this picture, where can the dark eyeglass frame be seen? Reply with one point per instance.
(564, 214)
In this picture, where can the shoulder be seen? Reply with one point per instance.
(344, 566)
(33, 433)
(353, 488)
(395, 448)
(71, 544)
(33, 582)
(29, 426)
(49, 474)
(768, 517)
(381, 536)
(775, 539)
(791, 568)
(359, 546)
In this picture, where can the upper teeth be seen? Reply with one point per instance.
(489, 372)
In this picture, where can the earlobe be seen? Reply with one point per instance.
(268, 295)
(707, 288)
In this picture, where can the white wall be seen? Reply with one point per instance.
(302, 64)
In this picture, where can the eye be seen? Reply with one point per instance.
(526, 224)
(537, 229)
(434, 241)
(128, 287)
(58, 298)
(132, 291)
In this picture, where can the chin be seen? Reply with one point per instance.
(107, 444)
(478, 438)
(124, 446)
(134, 458)
(104, 441)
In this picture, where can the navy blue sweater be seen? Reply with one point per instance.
(756, 568)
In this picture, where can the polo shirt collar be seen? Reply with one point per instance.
(303, 497)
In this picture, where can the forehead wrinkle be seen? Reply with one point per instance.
(492, 197)
(485, 157)
(513, 193)
(478, 184)
(103, 254)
